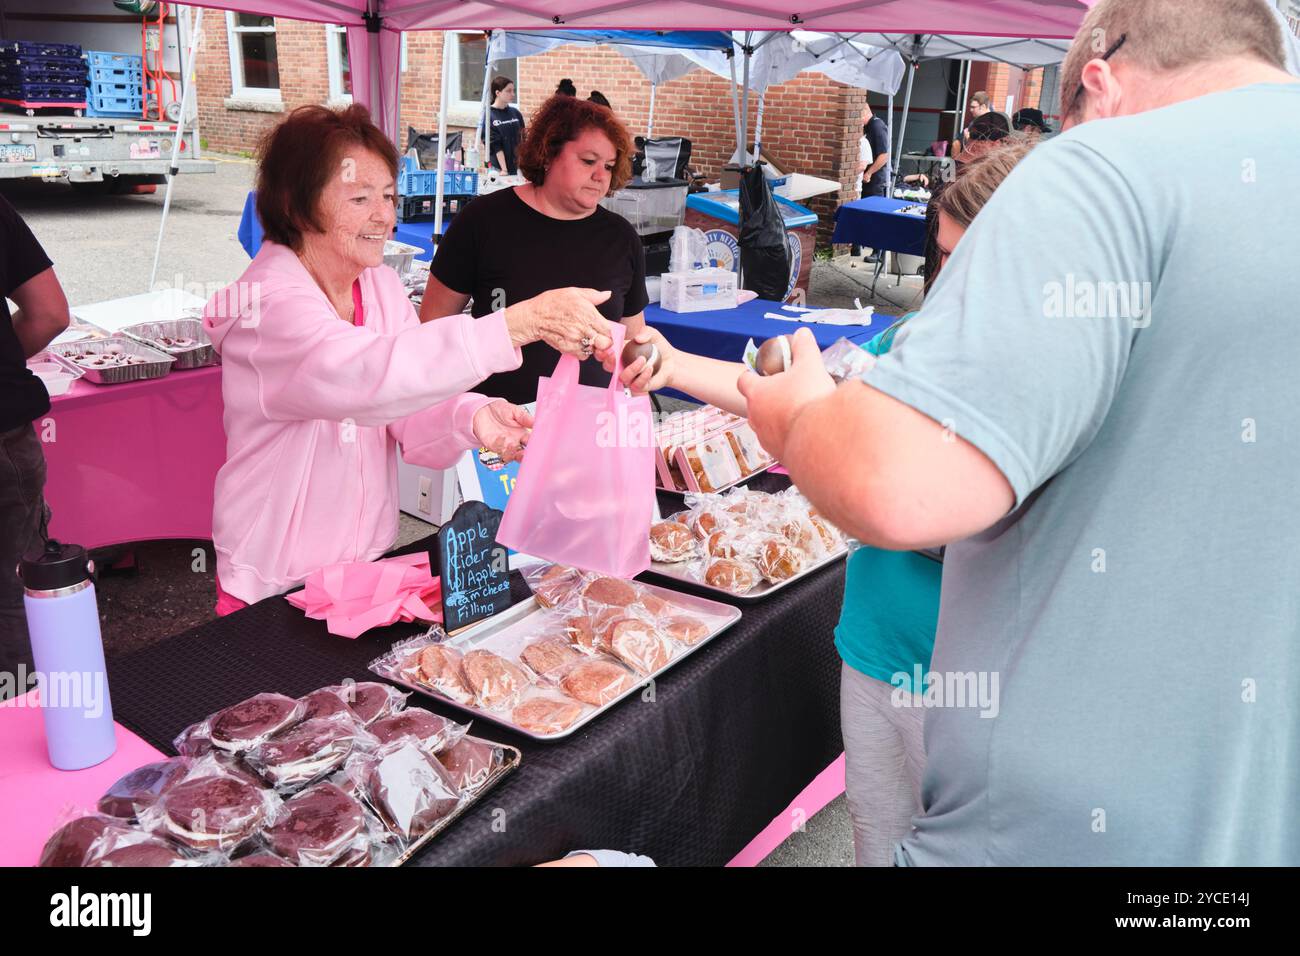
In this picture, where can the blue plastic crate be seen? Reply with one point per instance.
(135, 110)
(414, 181)
(43, 65)
(104, 74)
(115, 89)
(114, 61)
(40, 76)
(43, 92)
(101, 103)
(39, 48)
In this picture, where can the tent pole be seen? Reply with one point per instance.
(650, 123)
(902, 126)
(758, 126)
(440, 190)
(487, 98)
(735, 104)
(964, 89)
(190, 64)
(893, 173)
(744, 106)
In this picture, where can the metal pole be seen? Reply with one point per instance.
(758, 127)
(650, 123)
(893, 173)
(447, 39)
(964, 89)
(902, 126)
(191, 63)
(744, 106)
(735, 104)
(487, 96)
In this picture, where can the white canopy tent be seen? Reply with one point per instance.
(659, 64)
(1023, 52)
(772, 58)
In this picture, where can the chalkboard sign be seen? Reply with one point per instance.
(473, 568)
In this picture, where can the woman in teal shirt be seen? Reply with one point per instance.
(891, 610)
(885, 635)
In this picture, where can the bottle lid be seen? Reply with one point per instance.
(55, 567)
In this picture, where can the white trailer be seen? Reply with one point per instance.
(111, 153)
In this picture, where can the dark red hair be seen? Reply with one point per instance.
(563, 119)
(297, 159)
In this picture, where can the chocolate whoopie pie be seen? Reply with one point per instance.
(321, 825)
(217, 812)
(371, 700)
(324, 703)
(305, 752)
(76, 843)
(150, 853)
(356, 856)
(470, 762)
(431, 731)
(140, 788)
(260, 860)
(239, 727)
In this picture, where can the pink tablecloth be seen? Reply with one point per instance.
(134, 462)
(34, 797)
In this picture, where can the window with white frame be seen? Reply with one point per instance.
(340, 69)
(254, 66)
(469, 60)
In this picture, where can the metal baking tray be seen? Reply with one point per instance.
(509, 762)
(157, 366)
(682, 572)
(509, 626)
(149, 334)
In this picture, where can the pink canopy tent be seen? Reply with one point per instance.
(375, 26)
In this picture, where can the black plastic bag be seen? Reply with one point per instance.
(426, 146)
(764, 255)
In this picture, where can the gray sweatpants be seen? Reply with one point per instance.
(884, 756)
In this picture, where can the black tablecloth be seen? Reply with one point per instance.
(733, 734)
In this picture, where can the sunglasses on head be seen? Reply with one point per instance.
(1105, 56)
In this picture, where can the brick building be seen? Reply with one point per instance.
(253, 69)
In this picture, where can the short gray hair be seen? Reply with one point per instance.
(1171, 34)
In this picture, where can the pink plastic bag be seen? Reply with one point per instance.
(585, 493)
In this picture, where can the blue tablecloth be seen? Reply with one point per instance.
(724, 333)
(419, 234)
(414, 233)
(876, 223)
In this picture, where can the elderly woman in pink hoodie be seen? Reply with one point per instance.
(327, 370)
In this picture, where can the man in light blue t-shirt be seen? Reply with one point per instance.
(1100, 404)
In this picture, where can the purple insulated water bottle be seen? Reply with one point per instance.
(63, 620)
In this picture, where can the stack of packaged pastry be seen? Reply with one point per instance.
(736, 541)
(707, 451)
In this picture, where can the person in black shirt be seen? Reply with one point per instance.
(550, 232)
(875, 178)
(27, 278)
(507, 125)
